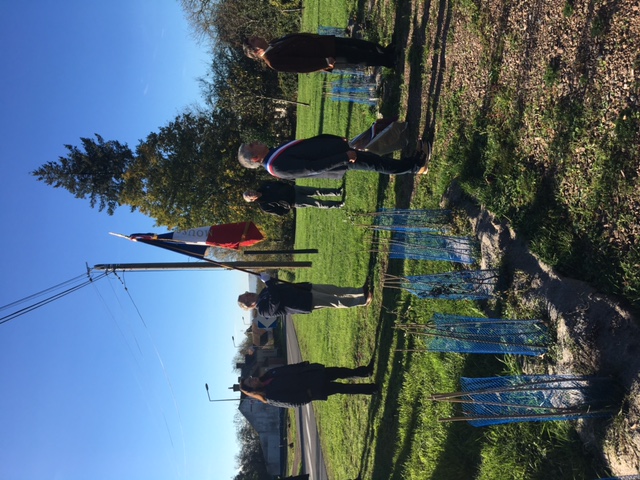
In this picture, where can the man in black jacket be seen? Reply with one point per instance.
(278, 299)
(324, 156)
(280, 198)
(293, 385)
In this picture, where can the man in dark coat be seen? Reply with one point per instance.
(278, 299)
(324, 156)
(308, 52)
(279, 198)
(293, 385)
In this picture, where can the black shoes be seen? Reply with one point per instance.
(362, 372)
(367, 293)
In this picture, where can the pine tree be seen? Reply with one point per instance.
(94, 171)
(184, 175)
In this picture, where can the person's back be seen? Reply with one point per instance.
(300, 53)
(277, 192)
(312, 157)
(279, 299)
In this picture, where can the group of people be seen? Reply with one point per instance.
(323, 156)
(300, 383)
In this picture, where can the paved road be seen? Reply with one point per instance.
(312, 459)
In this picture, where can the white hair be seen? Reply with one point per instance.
(245, 156)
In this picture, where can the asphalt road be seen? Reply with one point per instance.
(312, 459)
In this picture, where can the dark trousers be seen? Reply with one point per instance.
(371, 162)
(353, 51)
(335, 373)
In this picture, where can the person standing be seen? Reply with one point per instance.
(279, 198)
(308, 52)
(297, 384)
(324, 156)
(278, 299)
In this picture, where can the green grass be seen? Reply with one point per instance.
(291, 435)
(568, 9)
(397, 435)
(532, 452)
(574, 198)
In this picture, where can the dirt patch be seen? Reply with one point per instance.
(545, 69)
(596, 334)
(558, 79)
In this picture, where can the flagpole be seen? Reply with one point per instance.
(154, 267)
(280, 252)
(175, 247)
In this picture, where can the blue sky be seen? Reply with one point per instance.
(96, 385)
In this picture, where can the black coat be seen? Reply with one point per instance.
(277, 198)
(278, 299)
(300, 53)
(323, 156)
(294, 385)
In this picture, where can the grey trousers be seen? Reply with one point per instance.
(330, 296)
(304, 197)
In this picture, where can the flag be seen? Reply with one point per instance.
(229, 235)
(194, 242)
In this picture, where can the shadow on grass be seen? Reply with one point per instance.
(461, 451)
(326, 98)
(323, 101)
(460, 457)
(383, 464)
(463, 441)
(393, 82)
(438, 67)
(415, 56)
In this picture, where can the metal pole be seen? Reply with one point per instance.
(283, 100)
(535, 386)
(154, 267)
(283, 252)
(526, 417)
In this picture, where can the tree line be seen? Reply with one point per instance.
(186, 174)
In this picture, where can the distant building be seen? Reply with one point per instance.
(254, 282)
(268, 421)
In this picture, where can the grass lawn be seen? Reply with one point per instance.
(397, 435)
